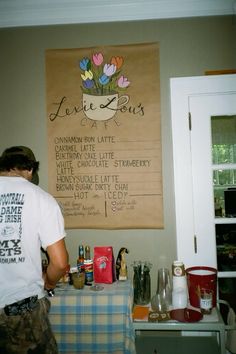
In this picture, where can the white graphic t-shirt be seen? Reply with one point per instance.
(30, 218)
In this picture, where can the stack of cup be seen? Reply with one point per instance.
(179, 286)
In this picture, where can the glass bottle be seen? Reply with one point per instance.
(80, 260)
(146, 284)
(87, 253)
(88, 266)
(136, 283)
(161, 301)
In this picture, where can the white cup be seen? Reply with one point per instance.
(179, 299)
(179, 282)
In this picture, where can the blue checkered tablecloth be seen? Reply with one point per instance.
(86, 321)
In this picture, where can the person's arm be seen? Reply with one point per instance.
(58, 263)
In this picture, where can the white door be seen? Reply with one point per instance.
(202, 109)
(194, 101)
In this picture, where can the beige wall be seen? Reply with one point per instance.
(188, 47)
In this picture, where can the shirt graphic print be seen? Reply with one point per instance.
(11, 206)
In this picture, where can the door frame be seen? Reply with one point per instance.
(182, 89)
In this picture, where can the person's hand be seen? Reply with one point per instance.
(47, 284)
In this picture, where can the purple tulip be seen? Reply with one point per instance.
(88, 84)
(109, 69)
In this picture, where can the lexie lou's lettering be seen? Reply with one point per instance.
(64, 111)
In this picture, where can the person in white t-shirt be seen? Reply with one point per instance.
(30, 219)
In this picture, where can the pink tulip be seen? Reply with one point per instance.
(97, 58)
(123, 82)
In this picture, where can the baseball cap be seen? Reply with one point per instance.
(25, 151)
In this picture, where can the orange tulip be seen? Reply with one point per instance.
(117, 61)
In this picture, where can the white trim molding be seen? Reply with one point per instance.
(21, 13)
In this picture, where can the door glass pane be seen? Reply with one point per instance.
(223, 132)
(223, 129)
(224, 183)
(224, 178)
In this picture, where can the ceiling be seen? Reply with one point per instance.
(21, 13)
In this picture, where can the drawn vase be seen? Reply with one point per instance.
(101, 108)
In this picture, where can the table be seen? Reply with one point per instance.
(209, 323)
(87, 321)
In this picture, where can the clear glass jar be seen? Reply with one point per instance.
(142, 283)
(161, 301)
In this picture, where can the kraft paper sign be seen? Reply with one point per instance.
(104, 138)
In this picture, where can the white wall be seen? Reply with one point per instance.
(188, 47)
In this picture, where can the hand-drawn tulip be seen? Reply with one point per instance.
(97, 59)
(123, 82)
